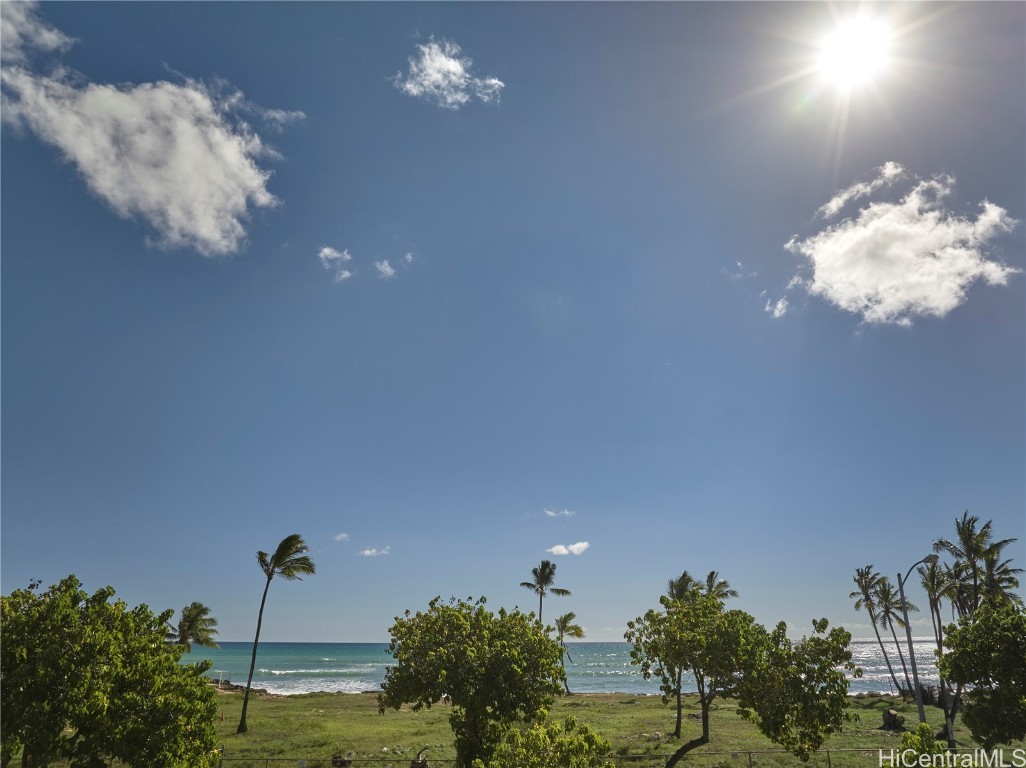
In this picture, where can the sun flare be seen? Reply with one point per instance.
(855, 53)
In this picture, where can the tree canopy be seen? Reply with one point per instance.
(796, 693)
(495, 670)
(988, 652)
(566, 744)
(89, 681)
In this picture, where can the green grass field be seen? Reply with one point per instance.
(284, 730)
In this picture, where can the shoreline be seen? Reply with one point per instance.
(226, 687)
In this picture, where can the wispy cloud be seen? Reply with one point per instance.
(341, 537)
(335, 261)
(176, 156)
(385, 270)
(559, 513)
(893, 261)
(888, 173)
(572, 549)
(21, 32)
(408, 257)
(439, 74)
(372, 552)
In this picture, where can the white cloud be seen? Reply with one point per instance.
(560, 513)
(573, 549)
(21, 31)
(372, 552)
(894, 261)
(408, 257)
(341, 537)
(335, 261)
(778, 309)
(441, 75)
(175, 156)
(888, 173)
(385, 270)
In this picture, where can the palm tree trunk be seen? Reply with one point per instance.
(562, 652)
(252, 663)
(872, 620)
(680, 703)
(540, 596)
(908, 682)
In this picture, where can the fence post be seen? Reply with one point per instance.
(829, 764)
(749, 760)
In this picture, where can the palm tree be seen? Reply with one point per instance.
(889, 605)
(866, 579)
(936, 581)
(566, 628)
(717, 587)
(195, 625)
(970, 548)
(544, 575)
(999, 579)
(713, 586)
(289, 561)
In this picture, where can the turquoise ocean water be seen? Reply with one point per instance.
(291, 668)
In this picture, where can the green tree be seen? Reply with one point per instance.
(543, 577)
(713, 586)
(566, 744)
(195, 626)
(866, 580)
(494, 669)
(797, 692)
(971, 547)
(988, 652)
(291, 562)
(91, 681)
(566, 628)
(692, 634)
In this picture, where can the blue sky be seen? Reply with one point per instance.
(452, 288)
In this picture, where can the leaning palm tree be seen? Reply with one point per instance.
(289, 561)
(195, 626)
(889, 605)
(544, 575)
(566, 628)
(866, 579)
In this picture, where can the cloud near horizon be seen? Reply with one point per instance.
(373, 552)
(176, 156)
(439, 74)
(573, 549)
(893, 261)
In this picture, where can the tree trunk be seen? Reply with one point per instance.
(252, 663)
(676, 729)
(872, 620)
(908, 682)
(694, 743)
(562, 652)
(540, 596)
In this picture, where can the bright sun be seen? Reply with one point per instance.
(855, 53)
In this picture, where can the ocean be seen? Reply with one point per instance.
(293, 668)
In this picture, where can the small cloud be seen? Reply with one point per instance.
(573, 549)
(408, 257)
(560, 513)
(895, 261)
(439, 74)
(341, 537)
(372, 552)
(385, 270)
(779, 309)
(334, 261)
